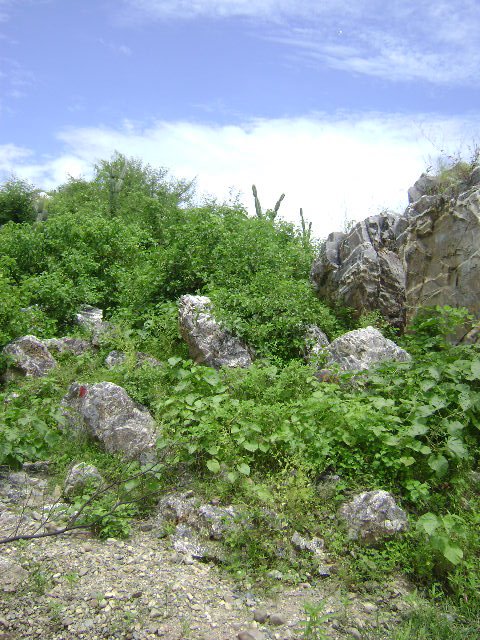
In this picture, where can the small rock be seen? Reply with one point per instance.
(260, 615)
(354, 633)
(277, 619)
(251, 634)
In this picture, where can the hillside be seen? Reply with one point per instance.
(214, 426)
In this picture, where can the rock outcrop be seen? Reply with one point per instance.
(361, 269)
(373, 515)
(30, 357)
(207, 341)
(361, 349)
(107, 413)
(426, 257)
(439, 246)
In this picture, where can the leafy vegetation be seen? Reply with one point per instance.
(129, 241)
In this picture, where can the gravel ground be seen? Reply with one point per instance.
(80, 587)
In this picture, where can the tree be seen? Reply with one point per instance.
(17, 201)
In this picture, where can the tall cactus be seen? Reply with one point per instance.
(306, 230)
(258, 206)
(271, 214)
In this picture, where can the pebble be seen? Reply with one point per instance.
(277, 619)
(260, 615)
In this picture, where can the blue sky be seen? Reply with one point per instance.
(338, 104)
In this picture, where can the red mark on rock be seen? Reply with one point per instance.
(82, 392)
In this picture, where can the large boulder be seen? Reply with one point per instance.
(439, 242)
(361, 349)
(373, 515)
(361, 269)
(207, 341)
(107, 413)
(30, 357)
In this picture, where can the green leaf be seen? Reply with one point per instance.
(454, 427)
(250, 446)
(213, 465)
(407, 461)
(476, 370)
(232, 476)
(131, 484)
(456, 447)
(439, 464)
(174, 361)
(428, 523)
(453, 553)
(244, 469)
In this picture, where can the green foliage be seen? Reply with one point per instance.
(17, 201)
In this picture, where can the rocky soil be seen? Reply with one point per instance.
(76, 586)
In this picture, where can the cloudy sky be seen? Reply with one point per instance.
(340, 105)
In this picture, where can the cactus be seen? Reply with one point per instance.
(258, 206)
(306, 231)
(270, 213)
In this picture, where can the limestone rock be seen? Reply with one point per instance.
(373, 515)
(11, 575)
(30, 356)
(90, 318)
(361, 269)
(425, 185)
(107, 413)
(117, 358)
(207, 341)
(80, 475)
(73, 345)
(439, 249)
(315, 343)
(361, 349)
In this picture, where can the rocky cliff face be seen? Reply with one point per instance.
(361, 269)
(439, 246)
(428, 256)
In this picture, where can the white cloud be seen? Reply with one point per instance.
(334, 167)
(402, 40)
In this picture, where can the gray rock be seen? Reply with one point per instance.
(277, 619)
(187, 543)
(425, 185)
(207, 341)
(315, 343)
(314, 545)
(361, 349)
(260, 616)
(373, 515)
(90, 318)
(30, 357)
(251, 634)
(116, 358)
(107, 413)
(361, 269)
(439, 249)
(211, 521)
(72, 345)
(80, 475)
(11, 575)
(216, 521)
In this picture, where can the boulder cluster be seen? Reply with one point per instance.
(395, 264)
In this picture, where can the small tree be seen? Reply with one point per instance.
(17, 201)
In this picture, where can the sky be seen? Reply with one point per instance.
(338, 104)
